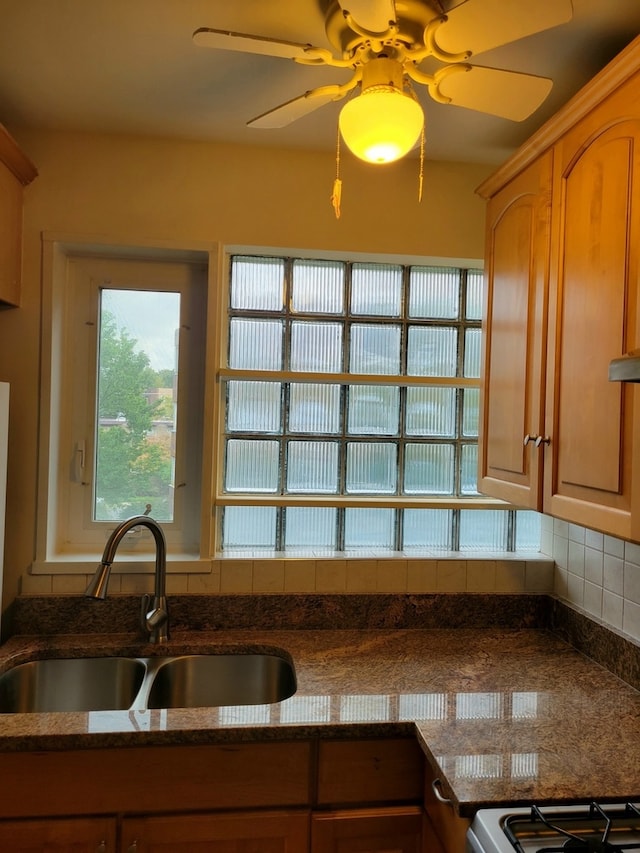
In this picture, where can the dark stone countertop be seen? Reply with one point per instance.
(503, 714)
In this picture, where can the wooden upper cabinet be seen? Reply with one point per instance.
(595, 287)
(562, 301)
(514, 336)
(16, 171)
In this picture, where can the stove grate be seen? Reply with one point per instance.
(594, 830)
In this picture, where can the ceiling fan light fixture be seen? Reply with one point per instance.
(381, 125)
(384, 122)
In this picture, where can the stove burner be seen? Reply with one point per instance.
(595, 829)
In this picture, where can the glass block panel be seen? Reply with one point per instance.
(255, 344)
(251, 466)
(314, 408)
(316, 347)
(376, 289)
(427, 528)
(375, 349)
(528, 530)
(257, 284)
(253, 406)
(483, 530)
(472, 343)
(431, 411)
(249, 527)
(318, 287)
(373, 410)
(470, 411)
(428, 469)
(371, 468)
(432, 351)
(312, 466)
(369, 528)
(469, 469)
(310, 527)
(475, 291)
(434, 292)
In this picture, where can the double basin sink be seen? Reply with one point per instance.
(137, 683)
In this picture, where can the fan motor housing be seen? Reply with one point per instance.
(412, 17)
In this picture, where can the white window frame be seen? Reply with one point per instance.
(67, 538)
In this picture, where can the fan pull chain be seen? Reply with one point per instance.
(336, 195)
(421, 173)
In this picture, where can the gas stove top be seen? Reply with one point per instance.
(589, 828)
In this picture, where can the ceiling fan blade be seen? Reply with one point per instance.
(479, 25)
(371, 15)
(507, 94)
(247, 43)
(297, 107)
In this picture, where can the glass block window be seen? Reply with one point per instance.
(350, 397)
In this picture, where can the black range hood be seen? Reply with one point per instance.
(625, 369)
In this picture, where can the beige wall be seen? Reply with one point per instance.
(123, 188)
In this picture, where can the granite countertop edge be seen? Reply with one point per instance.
(503, 715)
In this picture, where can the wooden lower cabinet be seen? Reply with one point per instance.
(441, 819)
(248, 832)
(59, 835)
(380, 830)
(342, 796)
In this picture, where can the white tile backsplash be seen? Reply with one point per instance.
(594, 565)
(575, 562)
(614, 546)
(631, 619)
(613, 574)
(598, 573)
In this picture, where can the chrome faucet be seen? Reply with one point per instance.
(154, 618)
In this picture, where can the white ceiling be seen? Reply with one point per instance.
(130, 66)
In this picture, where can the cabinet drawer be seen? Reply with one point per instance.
(156, 779)
(380, 830)
(272, 832)
(370, 771)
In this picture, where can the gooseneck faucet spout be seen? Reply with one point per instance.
(155, 614)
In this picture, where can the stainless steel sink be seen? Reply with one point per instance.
(196, 681)
(123, 683)
(71, 684)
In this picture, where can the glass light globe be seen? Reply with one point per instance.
(382, 124)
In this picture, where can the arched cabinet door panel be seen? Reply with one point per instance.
(595, 288)
(514, 336)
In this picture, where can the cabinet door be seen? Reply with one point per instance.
(595, 289)
(442, 819)
(16, 171)
(514, 337)
(10, 236)
(250, 832)
(392, 830)
(59, 835)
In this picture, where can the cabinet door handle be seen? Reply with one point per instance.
(436, 785)
(102, 847)
(540, 440)
(529, 438)
(133, 847)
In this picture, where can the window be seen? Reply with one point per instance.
(351, 409)
(123, 428)
(312, 406)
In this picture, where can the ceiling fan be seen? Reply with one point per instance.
(387, 45)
